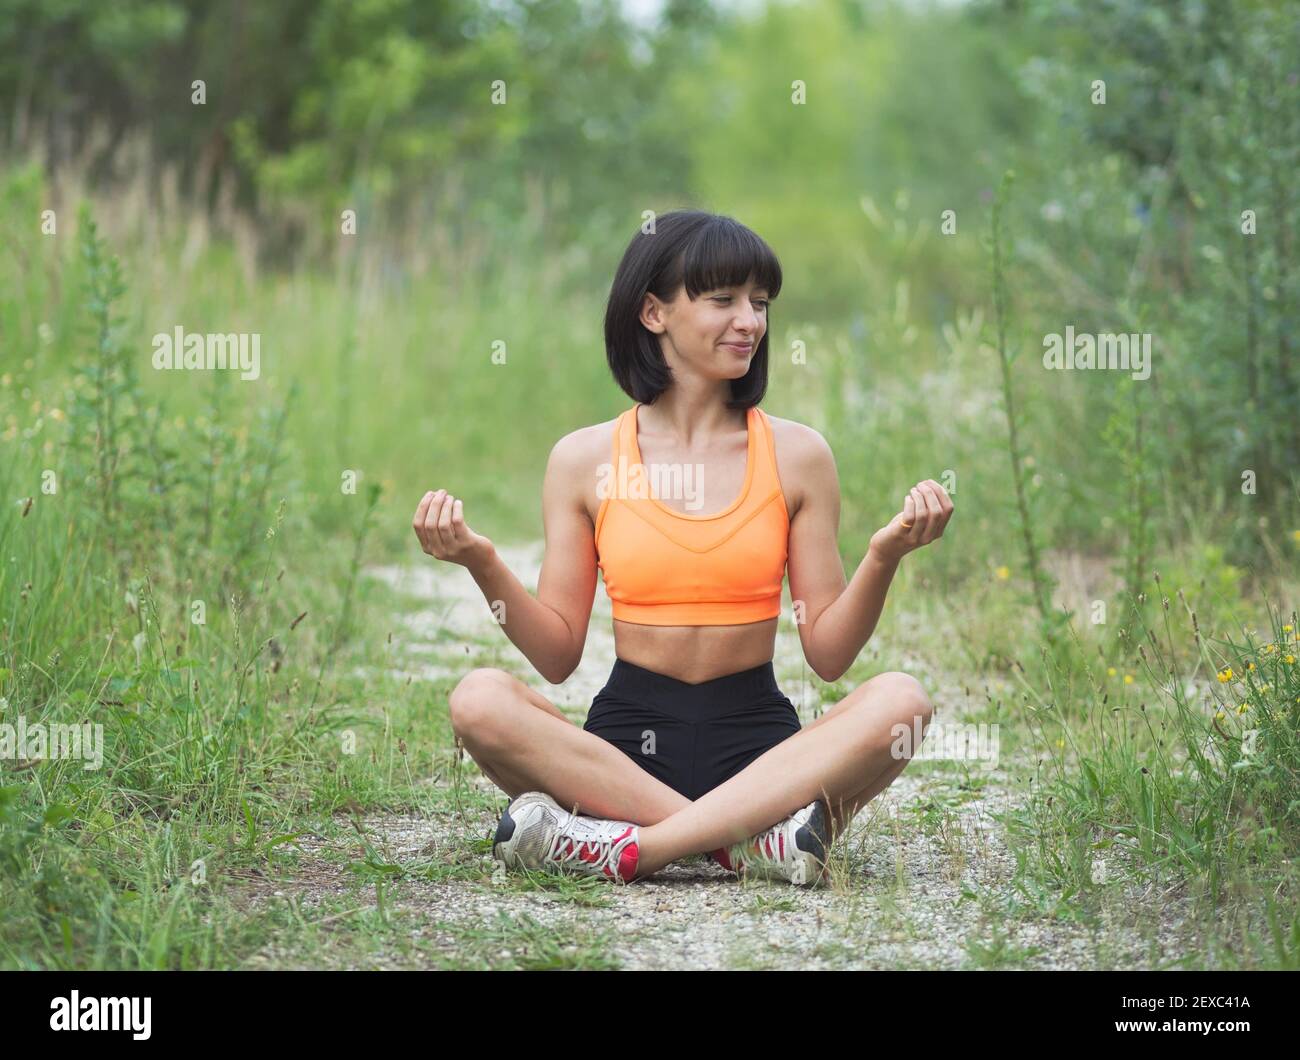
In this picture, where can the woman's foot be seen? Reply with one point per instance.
(535, 832)
(793, 850)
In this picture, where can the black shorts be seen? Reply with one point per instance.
(692, 737)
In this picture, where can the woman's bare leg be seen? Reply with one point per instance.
(843, 810)
(845, 757)
(523, 742)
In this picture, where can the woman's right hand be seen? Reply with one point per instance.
(439, 523)
(926, 511)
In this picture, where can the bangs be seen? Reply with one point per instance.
(724, 254)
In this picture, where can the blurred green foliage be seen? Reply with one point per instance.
(315, 106)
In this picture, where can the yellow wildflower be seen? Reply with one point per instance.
(1003, 572)
(1128, 679)
(1111, 671)
(1290, 660)
(1225, 675)
(1219, 715)
(1243, 708)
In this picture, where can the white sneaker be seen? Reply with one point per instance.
(535, 832)
(793, 850)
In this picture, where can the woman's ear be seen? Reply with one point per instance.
(651, 315)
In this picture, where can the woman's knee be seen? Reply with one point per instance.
(899, 699)
(906, 696)
(477, 704)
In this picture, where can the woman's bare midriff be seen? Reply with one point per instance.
(695, 653)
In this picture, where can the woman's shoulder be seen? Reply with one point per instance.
(580, 454)
(802, 445)
(576, 461)
(804, 462)
(581, 448)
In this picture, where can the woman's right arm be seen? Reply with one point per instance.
(550, 628)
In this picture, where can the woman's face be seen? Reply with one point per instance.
(716, 335)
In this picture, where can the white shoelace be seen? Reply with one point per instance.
(576, 833)
(771, 837)
(771, 843)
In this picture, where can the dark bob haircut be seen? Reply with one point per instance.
(703, 251)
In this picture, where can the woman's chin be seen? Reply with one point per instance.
(726, 370)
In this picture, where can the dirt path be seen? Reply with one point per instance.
(923, 879)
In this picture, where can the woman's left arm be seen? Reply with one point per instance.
(835, 619)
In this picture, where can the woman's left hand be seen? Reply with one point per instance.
(926, 511)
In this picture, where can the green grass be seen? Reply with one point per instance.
(229, 743)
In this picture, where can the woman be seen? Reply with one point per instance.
(690, 746)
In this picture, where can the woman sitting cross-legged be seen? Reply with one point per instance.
(694, 504)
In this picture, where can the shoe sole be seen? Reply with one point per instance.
(814, 837)
(505, 830)
(506, 826)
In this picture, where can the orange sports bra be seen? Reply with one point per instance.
(667, 568)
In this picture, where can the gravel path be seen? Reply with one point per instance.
(923, 879)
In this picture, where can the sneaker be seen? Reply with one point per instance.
(793, 850)
(535, 832)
